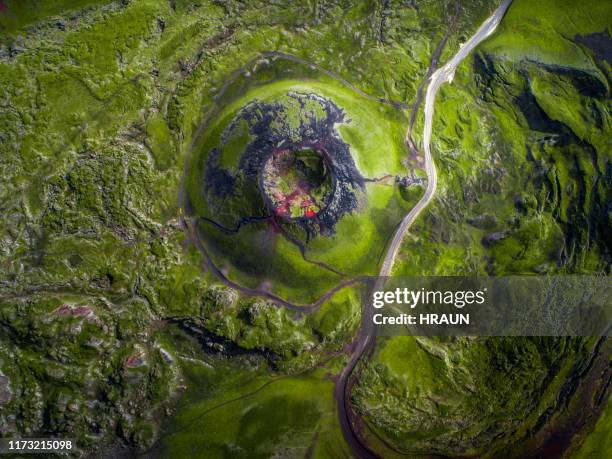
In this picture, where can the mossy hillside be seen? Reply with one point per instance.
(445, 398)
(293, 416)
(94, 233)
(519, 144)
(491, 209)
(301, 411)
(17, 15)
(522, 172)
(554, 29)
(284, 337)
(58, 125)
(85, 366)
(598, 442)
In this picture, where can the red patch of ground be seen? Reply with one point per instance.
(286, 201)
(67, 310)
(134, 360)
(85, 312)
(63, 310)
(82, 311)
(3, 7)
(299, 201)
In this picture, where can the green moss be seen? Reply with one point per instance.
(18, 14)
(162, 143)
(277, 416)
(72, 349)
(463, 396)
(598, 443)
(547, 36)
(101, 103)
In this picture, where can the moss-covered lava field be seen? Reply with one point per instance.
(191, 190)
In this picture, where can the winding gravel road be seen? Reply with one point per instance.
(440, 76)
(365, 339)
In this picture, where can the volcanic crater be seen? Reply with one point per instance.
(294, 168)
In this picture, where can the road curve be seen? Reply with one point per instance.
(365, 339)
(440, 76)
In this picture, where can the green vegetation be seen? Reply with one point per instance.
(259, 417)
(468, 396)
(522, 190)
(77, 363)
(599, 441)
(114, 332)
(522, 172)
(17, 14)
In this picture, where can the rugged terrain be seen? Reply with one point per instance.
(154, 299)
